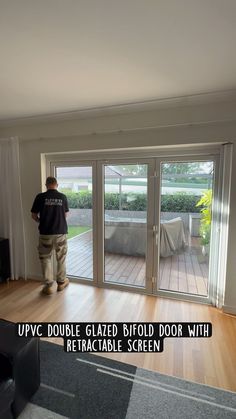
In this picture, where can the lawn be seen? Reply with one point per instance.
(76, 230)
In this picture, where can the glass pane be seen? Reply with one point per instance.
(76, 184)
(185, 228)
(125, 225)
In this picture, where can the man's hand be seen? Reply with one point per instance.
(35, 217)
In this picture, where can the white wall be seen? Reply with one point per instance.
(204, 119)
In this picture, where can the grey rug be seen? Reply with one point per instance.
(86, 386)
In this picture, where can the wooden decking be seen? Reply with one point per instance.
(80, 256)
(186, 272)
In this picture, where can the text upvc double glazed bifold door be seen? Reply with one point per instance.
(146, 225)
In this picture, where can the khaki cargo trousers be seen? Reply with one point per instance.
(48, 243)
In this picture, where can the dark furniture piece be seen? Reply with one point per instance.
(7, 388)
(23, 356)
(5, 270)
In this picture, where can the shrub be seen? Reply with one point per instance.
(111, 201)
(85, 199)
(205, 228)
(82, 199)
(178, 202)
(136, 202)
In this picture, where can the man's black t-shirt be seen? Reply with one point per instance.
(51, 206)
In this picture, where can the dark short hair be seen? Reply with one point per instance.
(51, 180)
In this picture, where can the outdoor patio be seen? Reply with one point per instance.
(186, 272)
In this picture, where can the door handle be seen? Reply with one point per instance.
(156, 238)
(155, 232)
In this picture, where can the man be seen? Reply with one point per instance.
(50, 210)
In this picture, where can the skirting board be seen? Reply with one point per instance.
(229, 309)
(35, 278)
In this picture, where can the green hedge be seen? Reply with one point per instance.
(178, 202)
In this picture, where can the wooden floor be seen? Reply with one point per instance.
(209, 361)
(186, 272)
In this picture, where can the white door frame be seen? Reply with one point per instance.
(97, 158)
(150, 217)
(83, 163)
(213, 268)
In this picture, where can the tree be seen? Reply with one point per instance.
(135, 169)
(187, 168)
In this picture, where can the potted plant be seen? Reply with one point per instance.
(205, 224)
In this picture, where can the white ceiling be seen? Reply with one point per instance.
(66, 55)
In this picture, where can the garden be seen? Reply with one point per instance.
(178, 202)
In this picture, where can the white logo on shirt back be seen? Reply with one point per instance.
(53, 201)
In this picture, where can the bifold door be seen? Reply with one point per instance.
(127, 220)
(147, 225)
(76, 182)
(186, 219)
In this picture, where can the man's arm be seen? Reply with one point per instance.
(66, 207)
(35, 216)
(35, 210)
